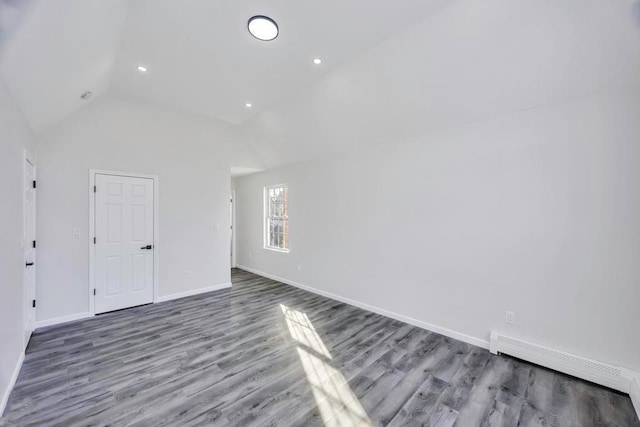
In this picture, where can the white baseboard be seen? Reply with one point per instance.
(406, 319)
(193, 292)
(62, 319)
(80, 316)
(12, 382)
(635, 394)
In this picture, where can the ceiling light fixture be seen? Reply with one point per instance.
(142, 69)
(263, 28)
(86, 95)
(248, 105)
(317, 61)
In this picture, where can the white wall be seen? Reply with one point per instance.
(191, 155)
(493, 166)
(469, 61)
(536, 212)
(15, 136)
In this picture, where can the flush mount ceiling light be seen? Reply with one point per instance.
(317, 61)
(248, 105)
(263, 27)
(142, 69)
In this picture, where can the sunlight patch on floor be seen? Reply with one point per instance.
(337, 403)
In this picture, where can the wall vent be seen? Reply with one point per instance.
(591, 370)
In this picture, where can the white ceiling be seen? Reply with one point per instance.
(391, 70)
(469, 61)
(202, 58)
(199, 53)
(56, 50)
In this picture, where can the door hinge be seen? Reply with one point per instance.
(94, 189)
(94, 291)
(33, 303)
(34, 184)
(94, 240)
(33, 244)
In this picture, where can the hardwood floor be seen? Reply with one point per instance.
(264, 353)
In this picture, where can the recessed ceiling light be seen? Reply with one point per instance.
(142, 69)
(248, 105)
(263, 27)
(317, 61)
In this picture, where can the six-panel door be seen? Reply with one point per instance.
(124, 242)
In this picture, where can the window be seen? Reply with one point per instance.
(276, 235)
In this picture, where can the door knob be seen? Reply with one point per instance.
(28, 264)
(147, 247)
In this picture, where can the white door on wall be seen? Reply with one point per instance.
(232, 221)
(29, 277)
(124, 213)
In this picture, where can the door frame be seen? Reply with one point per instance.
(28, 157)
(92, 230)
(233, 228)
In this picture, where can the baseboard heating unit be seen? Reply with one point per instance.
(614, 377)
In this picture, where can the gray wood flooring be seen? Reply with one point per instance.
(264, 353)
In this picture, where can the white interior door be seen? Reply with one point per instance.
(29, 277)
(124, 242)
(233, 231)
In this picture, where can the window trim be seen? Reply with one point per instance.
(265, 218)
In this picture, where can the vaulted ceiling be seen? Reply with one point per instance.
(53, 51)
(391, 70)
(199, 55)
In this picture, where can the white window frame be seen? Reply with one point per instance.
(267, 217)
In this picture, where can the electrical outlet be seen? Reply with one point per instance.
(510, 317)
(188, 274)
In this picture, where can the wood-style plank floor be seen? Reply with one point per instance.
(264, 353)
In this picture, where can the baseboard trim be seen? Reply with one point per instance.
(12, 383)
(634, 392)
(193, 292)
(62, 319)
(406, 319)
(80, 316)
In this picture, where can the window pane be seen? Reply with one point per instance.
(271, 233)
(271, 206)
(285, 242)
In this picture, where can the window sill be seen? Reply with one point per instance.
(283, 251)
